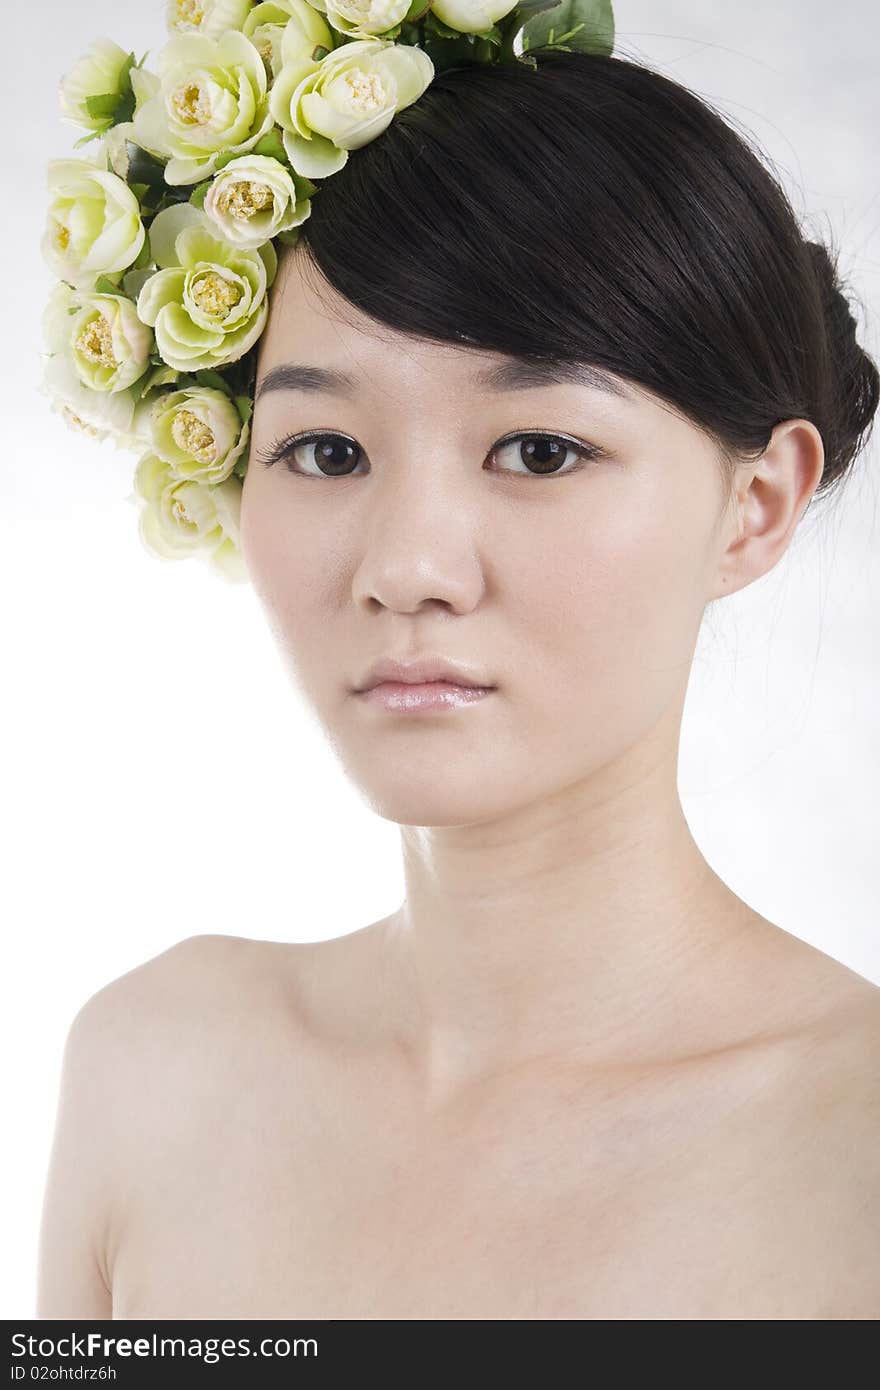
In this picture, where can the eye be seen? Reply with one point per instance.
(331, 455)
(544, 454)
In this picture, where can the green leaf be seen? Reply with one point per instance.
(304, 187)
(87, 139)
(143, 256)
(271, 146)
(207, 377)
(245, 406)
(433, 25)
(527, 8)
(240, 467)
(197, 197)
(417, 10)
(100, 106)
(104, 285)
(159, 376)
(133, 281)
(143, 167)
(449, 51)
(125, 110)
(584, 26)
(227, 158)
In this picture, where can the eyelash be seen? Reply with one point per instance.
(281, 448)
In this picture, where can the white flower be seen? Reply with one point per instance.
(94, 222)
(252, 199)
(98, 80)
(118, 415)
(360, 18)
(471, 16)
(210, 99)
(199, 432)
(109, 345)
(268, 22)
(179, 518)
(207, 302)
(345, 100)
(206, 16)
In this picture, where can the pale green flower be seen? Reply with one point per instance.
(346, 100)
(120, 415)
(109, 344)
(471, 16)
(179, 518)
(199, 432)
(208, 302)
(360, 18)
(94, 222)
(211, 99)
(267, 23)
(207, 16)
(253, 198)
(91, 92)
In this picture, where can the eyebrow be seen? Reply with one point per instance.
(516, 375)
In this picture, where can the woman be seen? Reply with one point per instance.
(573, 1075)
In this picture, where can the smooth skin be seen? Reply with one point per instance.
(573, 1075)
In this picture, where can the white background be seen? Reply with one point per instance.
(161, 777)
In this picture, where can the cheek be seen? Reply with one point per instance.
(606, 603)
(287, 561)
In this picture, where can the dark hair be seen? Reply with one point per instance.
(592, 209)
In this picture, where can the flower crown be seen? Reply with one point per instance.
(164, 240)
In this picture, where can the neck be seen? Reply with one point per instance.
(585, 927)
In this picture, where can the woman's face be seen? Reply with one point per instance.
(430, 530)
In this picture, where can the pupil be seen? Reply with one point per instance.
(328, 453)
(543, 447)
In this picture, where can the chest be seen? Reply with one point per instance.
(352, 1209)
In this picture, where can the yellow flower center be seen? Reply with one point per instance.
(95, 342)
(193, 436)
(367, 90)
(215, 295)
(179, 510)
(62, 236)
(190, 104)
(188, 14)
(241, 200)
(75, 421)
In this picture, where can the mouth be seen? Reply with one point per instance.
(425, 670)
(423, 696)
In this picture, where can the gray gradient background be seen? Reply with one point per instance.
(143, 704)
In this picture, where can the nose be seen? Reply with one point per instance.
(420, 539)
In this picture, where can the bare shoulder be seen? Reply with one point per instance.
(73, 1276)
(839, 1139)
(174, 1010)
(141, 1016)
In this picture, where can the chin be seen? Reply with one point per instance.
(463, 792)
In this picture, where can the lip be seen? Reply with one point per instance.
(423, 697)
(423, 671)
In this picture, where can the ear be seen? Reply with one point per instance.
(770, 497)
